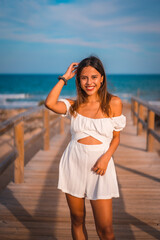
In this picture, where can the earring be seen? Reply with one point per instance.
(101, 83)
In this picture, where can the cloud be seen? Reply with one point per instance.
(40, 38)
(143, 28)
(89, 24)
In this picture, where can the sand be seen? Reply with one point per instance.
(31, 126)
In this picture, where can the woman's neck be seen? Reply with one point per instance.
(93, 99)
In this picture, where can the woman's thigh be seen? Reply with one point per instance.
(102, 211)
(77, 207)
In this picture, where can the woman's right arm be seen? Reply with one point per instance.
(51, 100)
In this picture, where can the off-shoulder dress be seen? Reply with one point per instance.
(75, 174)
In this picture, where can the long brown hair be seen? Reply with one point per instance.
(103, 94)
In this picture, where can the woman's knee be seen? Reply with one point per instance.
(78, 218)
(106, 232)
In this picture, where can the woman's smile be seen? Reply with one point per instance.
(90, 88)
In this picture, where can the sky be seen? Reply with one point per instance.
(46, 36)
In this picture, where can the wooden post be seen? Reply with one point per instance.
(150, 138)
(46, 138)
(19, 161)
(62, 125)
(135, 110)
(140, 114)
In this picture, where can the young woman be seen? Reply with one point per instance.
(86, 167)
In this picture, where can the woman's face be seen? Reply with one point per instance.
(90, 80)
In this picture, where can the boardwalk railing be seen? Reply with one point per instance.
(137, 108)
(20, 146)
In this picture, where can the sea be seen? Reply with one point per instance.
(27, 90)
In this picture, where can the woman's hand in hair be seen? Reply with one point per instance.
(71, 71)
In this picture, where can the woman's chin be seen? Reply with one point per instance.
(93, 92)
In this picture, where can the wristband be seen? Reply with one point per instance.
(63, 78)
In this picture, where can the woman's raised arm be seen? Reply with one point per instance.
(51, 100)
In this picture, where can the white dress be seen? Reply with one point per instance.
(75, 174)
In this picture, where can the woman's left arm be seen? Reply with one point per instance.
(100, 166)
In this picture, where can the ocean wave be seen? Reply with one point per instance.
(23, 100)
(20, 100)
(14, 96)
(12, 105)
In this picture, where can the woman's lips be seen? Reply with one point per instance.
(89, 88)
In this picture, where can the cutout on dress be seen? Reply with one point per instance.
(89, 141)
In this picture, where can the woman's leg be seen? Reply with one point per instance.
(102, 211)
(77, 212)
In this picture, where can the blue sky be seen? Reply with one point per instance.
(45, 36)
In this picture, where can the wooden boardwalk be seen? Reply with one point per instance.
(37, 210)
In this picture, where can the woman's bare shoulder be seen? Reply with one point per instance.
(116, 105)
(115, 100)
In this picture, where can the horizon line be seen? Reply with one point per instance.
(63, 73)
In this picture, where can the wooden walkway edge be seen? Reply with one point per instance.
(37, 210)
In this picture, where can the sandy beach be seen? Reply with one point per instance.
(8, 113)
(32, 126)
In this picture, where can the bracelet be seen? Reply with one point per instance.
(63, 78)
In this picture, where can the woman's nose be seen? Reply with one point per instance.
(89, 80)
